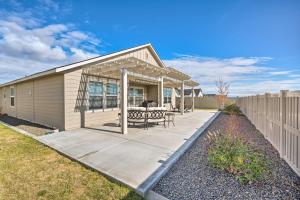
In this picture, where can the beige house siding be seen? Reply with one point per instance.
(71, 88)
(24, 103)
(39, 101)
(74, 86)
(1, 100)
(49, 101)
(75, 97)
(142, 54)
(152, 92)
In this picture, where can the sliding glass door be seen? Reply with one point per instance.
(135, 96)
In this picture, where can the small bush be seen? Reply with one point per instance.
(232, 109)
(236, 157)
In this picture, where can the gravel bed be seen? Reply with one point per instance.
(30, 127)
(193, 178)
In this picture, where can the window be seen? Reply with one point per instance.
(111, 95)
(136, 96)
(167, 95)
(12, 96)
(95, 95)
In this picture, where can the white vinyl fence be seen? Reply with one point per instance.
(277, 116)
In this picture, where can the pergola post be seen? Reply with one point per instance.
(161, 90)
(182, 98)
(193, 99)
(123, 100)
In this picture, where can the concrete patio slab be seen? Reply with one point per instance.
(136, 158)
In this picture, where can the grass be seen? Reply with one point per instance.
(30, 170)
(233, 155)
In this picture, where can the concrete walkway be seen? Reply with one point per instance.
(132, 158)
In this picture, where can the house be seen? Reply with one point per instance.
(188, 92)
(93, 91)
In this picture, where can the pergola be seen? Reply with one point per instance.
(134, 69)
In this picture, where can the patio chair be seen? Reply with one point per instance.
(155, 116)
(137, 115)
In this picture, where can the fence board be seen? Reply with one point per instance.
(277, 116)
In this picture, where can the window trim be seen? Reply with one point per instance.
(168, 97)
(102, 95)
(111, 95)
(12, 96)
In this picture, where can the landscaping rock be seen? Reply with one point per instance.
(193, 178)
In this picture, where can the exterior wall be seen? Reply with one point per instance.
(1, 100)
(24, 103)
(76, 102)
(39, 101)
(152, 92)
(49, 101)
(142, 54)
(75, 95)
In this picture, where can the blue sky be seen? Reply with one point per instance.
(254, 45)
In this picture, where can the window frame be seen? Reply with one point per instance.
(111, 95)
(98, 95)
(12, 96)
(168, 97)
(134, 97)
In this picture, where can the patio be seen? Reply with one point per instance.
(136, 158)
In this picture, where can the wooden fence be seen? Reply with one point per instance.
(277, 116)
(205, 102)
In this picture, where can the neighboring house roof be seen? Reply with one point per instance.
(188, 92)
(85, 62)
(197, 92)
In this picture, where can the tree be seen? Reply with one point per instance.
(223, 90)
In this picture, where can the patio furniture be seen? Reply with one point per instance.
(156, 115)
(170, 117)
(145, 115)
(137, 115)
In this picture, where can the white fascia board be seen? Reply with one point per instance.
(64, 68)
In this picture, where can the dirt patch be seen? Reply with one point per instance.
(30, 127)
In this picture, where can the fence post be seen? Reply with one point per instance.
(257, 111)
(266, 99)
(283, 94)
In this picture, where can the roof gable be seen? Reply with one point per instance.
(142, 52)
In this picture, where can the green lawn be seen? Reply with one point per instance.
(30, 170)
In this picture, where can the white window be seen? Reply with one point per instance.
(167, 95)
(12, 96)
(136, 96)
(111, 95)
(95, 95)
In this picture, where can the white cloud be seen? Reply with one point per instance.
(246, 75)
(26, 48)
